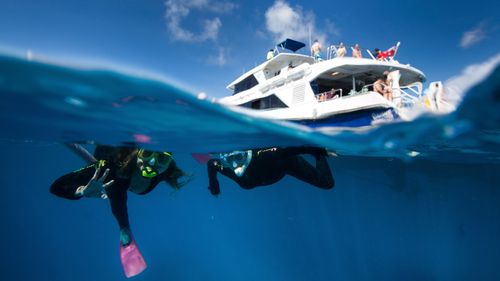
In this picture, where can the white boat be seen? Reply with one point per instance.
(331, 93)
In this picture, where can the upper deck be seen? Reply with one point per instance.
(332, 68)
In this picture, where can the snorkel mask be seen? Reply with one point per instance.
(237, 161)
(153, 163)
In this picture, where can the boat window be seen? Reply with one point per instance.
(245, 84)
(268, 102)
(315, 87)
(321, 86)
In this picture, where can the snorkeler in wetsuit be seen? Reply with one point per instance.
(129, 169)
(261, 167)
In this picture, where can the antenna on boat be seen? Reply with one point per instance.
(310, 35)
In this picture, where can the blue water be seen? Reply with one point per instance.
(391, 216)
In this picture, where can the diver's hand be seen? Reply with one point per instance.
(214, 187)
(96, 188)
(213, 166)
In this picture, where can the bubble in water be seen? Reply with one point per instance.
(453, 130)
(75, 101)
(389, 144)
(413, 153)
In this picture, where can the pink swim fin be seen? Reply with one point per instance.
(132, 261)
(201, 158)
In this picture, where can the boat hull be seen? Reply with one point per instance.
(356, 119)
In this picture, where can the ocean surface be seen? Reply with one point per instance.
(412, 201)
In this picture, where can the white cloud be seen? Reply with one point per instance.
(220, 59)
(474, 36)
(211, 29)
(455, 87)
(332, 28)
(284, 21)
(177, 10)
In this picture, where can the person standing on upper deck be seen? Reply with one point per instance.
(270, 54)
(356, 52)
(316, 50)
(341, 51)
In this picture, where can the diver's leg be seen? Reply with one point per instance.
(296, 150)
(118, 201)
(319, 176)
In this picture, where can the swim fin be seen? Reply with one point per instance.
(201, 158)
(132, 261)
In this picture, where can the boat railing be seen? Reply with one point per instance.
(331, 52)
(407, 97)
(365, 87)
(370, 54)
(410, 95)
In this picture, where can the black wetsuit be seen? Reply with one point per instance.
(268, 166)
(67, 185)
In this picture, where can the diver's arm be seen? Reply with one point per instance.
(67, 185)
(213, 166)
(82, 183)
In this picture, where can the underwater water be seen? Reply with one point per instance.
(412, 201)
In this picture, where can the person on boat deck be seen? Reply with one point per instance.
(382, 56)
(118, 170)
(356, 52)
(341, 51)
(316, 51)
(261, 167)
(382, 86)
(270, 54)
(379, 55)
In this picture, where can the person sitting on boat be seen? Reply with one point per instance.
(270, 54)
(356, 52)
(378, 54)
(321, 97)
(316, 51)
(261, 167)
(331, 94)
(382, 56)
(382, 86)
(118, 170)
(341, 51)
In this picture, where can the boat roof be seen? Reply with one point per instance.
(282, 59)
(347, 66)
(291, 45)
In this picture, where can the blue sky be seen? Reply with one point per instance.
(205, 44)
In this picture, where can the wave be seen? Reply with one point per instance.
(49, 103)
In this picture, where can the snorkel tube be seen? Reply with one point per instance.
(82, 152)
